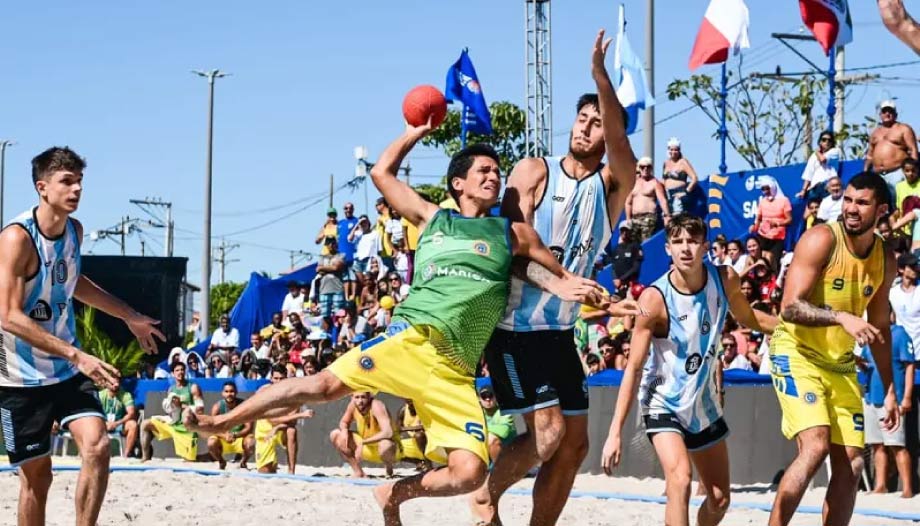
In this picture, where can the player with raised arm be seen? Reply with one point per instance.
(431, 349)
(571, 201)
(673, 350)
(840, 271)
(44, 375)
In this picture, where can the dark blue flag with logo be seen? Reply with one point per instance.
(463, 85)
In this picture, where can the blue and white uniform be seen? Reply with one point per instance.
(48, 301)
(678, 387)
(572, 220)
(532, 356)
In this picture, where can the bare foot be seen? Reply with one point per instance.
(483, 510)
(222, 464)
(384, 494)
(907, 494)
(243, 465)
(880, 491)
(358, 473)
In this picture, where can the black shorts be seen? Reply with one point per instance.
(533, 370)
(663, 423)
(27, 414)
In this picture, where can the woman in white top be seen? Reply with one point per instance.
(822, 166)
(735, 256)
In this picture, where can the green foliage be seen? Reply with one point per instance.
(96, 342)
(853, 139)
(766, 118)
(509, 127)
(433, 193)
(223, 297)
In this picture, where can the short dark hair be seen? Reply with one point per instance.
(830, 135)
(874, 182)
(228, 384)
(695, 226)
(278, 368)
(592, 359)
(54, 159)
(606, 340)
(462, 161)
(910, 161)
(177, 364)
(814, 201)
(590, 99)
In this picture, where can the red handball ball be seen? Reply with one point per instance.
(422, 102)
(636, 290)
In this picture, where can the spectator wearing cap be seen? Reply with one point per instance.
(293, 300)
(905, 297)
(627, 260)
(645, 201)
(774, 215)
(345, 227)
(679, 178)
(832, 205)
(889, 145)
(331, 280)
(328, 232)
(820, 168)
(225, 338)
(500, 428)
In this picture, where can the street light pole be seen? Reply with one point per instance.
(3, 144)
(206, 251)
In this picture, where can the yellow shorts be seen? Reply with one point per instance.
(810, 396)
(231, 448)
(407, 365)
(266, 455)
(371, 452)
(185, 442)
(409, 449)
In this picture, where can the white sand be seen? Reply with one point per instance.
(175, 499)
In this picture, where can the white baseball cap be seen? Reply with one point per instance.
(888, 104)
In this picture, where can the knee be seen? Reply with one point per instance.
(130, 426)
(814, 453)
(718, 500)
(468, 475)
(679, 479)
(334, 436)
(96, 448)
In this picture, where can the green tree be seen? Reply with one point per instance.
(509, 126)
(223, 297)
(433, 193)
(96, 342)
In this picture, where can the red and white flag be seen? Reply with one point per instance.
(725, 27)
(829, 21)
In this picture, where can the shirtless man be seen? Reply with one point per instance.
(643, 202)
(889, 145)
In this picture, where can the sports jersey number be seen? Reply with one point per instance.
(837, 284)
(474, 429)
(62, 308)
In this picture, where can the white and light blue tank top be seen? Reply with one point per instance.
(48, 301)
(572, 220)
(679, 377)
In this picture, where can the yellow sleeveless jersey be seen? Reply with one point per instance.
(847, 284)
(367, 425)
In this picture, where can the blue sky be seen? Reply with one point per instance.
(311, 80)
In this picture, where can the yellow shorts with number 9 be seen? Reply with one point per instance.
(404, 363)
(810, 396)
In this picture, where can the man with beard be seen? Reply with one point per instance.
(889, 145)
(839, 271)
(571, 201)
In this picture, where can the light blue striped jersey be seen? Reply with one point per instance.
(571, 219)
(679, 377)
(48, 301)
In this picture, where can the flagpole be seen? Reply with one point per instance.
(832, 85)
(723, 131)
(463, 118)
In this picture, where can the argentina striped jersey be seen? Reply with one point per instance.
(679, 377)
(48, 301)
(571, 219)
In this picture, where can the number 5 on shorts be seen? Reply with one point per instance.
(476, 430)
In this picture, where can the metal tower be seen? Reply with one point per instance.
(538, 51)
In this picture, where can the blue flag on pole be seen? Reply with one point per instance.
(463, 85)
(629, 77)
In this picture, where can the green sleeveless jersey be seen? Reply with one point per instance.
(223, 409)
(460, 283)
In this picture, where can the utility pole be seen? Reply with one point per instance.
(297, 255)
(142, 248)
(223, 250)
(206, 250)
(169, 226)
(3, 145)
(648, 116)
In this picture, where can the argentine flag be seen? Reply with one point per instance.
(629, 77)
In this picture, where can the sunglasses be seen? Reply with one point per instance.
(727, 344)
(486, 397)
(825, 139)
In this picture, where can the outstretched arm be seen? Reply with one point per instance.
(620, 172)
(900, 23)
(739, 306)
(398, 194)
(383, 419)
